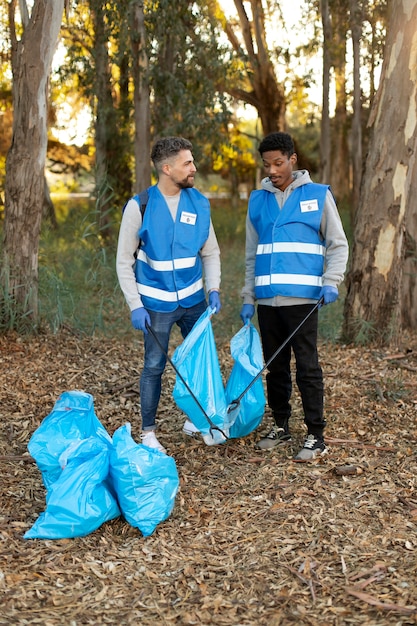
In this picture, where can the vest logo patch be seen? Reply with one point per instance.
(188, 218)
(307, 206)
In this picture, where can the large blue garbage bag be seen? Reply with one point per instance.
(146, 481)
(71, 420)
(197, 361)
(246, 350)
(80, 500)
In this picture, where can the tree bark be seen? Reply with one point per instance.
(340, 164)
(141, 96)
(260, 86)
(356, 28)
(381, 284)
(25, 163)
(105, 118)
(325, 138)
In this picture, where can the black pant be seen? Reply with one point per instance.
(276, 324)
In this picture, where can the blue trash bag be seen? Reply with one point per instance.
(246, 350)
(146, 481)
(197, 361)
(80, 500)
(71, 420)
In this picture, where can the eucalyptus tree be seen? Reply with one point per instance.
(6, 116)
(351, 41)
(382, 280)
(251, 76)
(141, 94)
(33, 43)
(187, 66)
(98, 62)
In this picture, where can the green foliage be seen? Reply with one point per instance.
(361, 332)
(13, 316)
(331, 319)
(77, 280)
(228, 222)
(236, 158)
(186, 64)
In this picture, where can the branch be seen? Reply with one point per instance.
(24, 12)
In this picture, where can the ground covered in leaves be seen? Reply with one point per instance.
(253, 538)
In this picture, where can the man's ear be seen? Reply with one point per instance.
(293, 159)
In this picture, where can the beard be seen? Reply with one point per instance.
(185, 183)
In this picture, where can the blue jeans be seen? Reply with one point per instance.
(155, 360)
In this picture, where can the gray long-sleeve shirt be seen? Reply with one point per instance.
(331, 231)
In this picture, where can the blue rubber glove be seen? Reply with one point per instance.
(214, 301)
(329, 294)
(140, 317)
(247, 312)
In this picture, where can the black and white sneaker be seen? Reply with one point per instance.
(313, 448)
(275, 437)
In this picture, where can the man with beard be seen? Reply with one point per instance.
(162, 256)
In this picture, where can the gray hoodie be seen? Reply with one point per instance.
(331, 231)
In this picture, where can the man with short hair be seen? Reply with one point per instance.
(296, 254)
(161, 260)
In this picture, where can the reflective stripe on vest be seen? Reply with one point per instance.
(169, 267)
(290, 254)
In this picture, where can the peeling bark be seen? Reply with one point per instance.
(24, 189)
(381, 282)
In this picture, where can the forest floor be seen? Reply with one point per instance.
(254, 538)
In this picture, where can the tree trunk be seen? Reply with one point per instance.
(381, 282)
(141, 96)
(325, 143)
(105, 126)
(340, 164)
(25, 164)
(356, 28)
(262, 90)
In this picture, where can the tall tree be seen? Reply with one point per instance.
(258, 84)
(186, 66)
(99, 61)
(340, 165)
(325, 143)
(24, 190)
(141, 97)
(382, 291)
(356, 22)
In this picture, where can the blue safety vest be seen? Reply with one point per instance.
(168, 267)
(290, 253)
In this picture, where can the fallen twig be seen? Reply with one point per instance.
(394, 357)
(14, 457)
(126, 385)
(384, 606)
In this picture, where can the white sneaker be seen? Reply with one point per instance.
(149, 439)
(189, 428)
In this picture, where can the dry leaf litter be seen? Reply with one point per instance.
(253, 538)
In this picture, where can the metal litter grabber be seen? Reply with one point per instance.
(210, 422)
(235, 403)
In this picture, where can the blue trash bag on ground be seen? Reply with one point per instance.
(80, 500)
(71, 420)
(197, 361)
(146, 481)
(246, 350)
